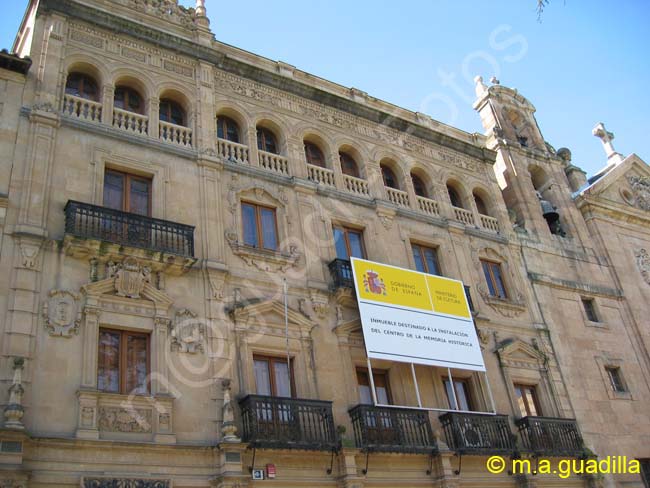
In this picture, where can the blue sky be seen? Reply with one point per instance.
(586, 62)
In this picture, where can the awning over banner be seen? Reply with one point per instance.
(413, 317)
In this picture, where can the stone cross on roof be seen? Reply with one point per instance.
(607, 138)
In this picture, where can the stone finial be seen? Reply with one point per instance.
(480, 87)
(14, 411)
(201, 14)
(607, 138)
(229, 428)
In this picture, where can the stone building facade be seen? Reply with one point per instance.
(159, 192)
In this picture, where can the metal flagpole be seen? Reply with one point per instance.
(487, 383)
(372, 382)
(417, 388)
(286, 324)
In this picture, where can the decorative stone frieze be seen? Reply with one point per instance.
(117, 419)
(130, 277)
(125, 483)
(61, 313)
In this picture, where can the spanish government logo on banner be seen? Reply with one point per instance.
(414, 317)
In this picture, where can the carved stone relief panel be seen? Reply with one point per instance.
(61, 313)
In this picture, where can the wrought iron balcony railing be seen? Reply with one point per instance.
(549, 436)
(469, 433)
(94, 222)
(341, 271)
(392, 429)
(285, 423)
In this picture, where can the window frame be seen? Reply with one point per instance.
(272, 360)
(123, 360)
(346, 239)
(127, 178)
(422, 248)
(481, 205)
(376, 373)
(491, 280)
(616, 380)
(314, 152)
(467, 387)
(589, 307)
(535, 399)
(261, 134)
(345, 159)
(223, 122)
(127, 91)
(456, 198)
(80, 92)
(258, 225)
(387, 169)
(169, 103)
(420, 183)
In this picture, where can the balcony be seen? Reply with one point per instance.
(392, 429)
(398, 197)
(355, 185)
(464, 216)
(232, 151)
(322, 176)
(82, 108)
(273, 162)
(94, 231)
(489, 223)
(341, 271)
(428, 206)
(468, 433)
(547, 436)
(130, 121)
(288, 423)
(175, 134)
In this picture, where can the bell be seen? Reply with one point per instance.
(549, 212)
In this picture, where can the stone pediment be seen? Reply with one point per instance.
(627, 184)
(517, 353)
(268, 313)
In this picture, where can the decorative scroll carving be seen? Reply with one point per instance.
(168, 10)
(115, 419)
(124, 483)
(61, 313)
(643, 263)
(641, 188)
(188, 333)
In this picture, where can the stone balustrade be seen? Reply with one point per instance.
(273, 162)
(398, 197)
(428, 206)
(320, 175)
(130, 121)
(464, 216)
(356, 185)
(233, 151)
(175, 134)
(489, 223)
(82, 108)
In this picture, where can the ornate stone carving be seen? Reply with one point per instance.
(643, 263)
(164, 422)
(130, 277)
(116, 419)
(510, 307)
(641, 188)
(263, 259)
(62, 314)
(87, 417)
(125, 483)
(10, 483)
(29, 253)
(14, 411)
(168, 10)
(188, 333)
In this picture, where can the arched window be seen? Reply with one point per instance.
(80, 85)
(227, 129)
(128, 99)
(390, 180)
(314, 155)
(348, 165)
(480, 205)
(419, 186)
(454, 197)
(266, 140)
(171, 112)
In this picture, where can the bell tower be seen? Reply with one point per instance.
(533, 176)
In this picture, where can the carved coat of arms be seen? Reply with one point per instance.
(61, 313)
(130, 277)
(188, 333)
